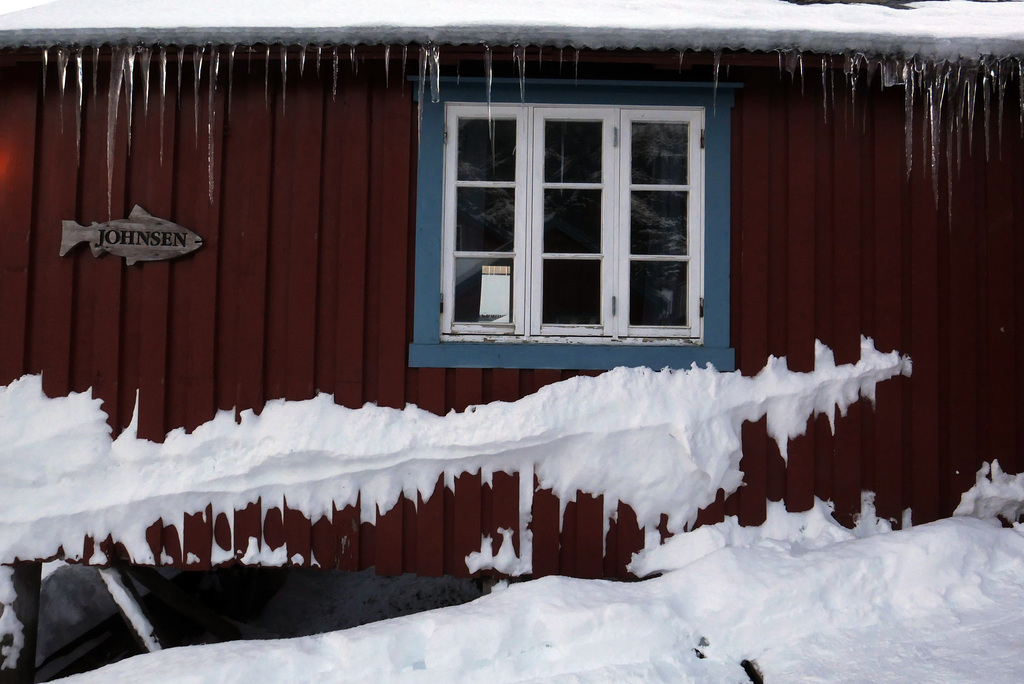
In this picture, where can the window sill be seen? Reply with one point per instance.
(567, 356)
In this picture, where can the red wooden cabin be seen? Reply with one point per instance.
(316, 274)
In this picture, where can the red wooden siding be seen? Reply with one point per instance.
(305, 284)
(831, 241)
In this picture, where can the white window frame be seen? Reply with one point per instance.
(527, 255)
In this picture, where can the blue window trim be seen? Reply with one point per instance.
(428, 350)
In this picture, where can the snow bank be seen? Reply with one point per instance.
(11, 629)
(937, 30)
(661, 442)
(940, 602)
(994, 495)
(812, 529)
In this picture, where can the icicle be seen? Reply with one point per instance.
(197, 67)
(923, 83)
(422, 86)
(181, 70)
(949, 170)
(145, 60)
(800, 62)
(129, 90)
(832, 89)
(210, 120)
(266, 78)
(95, 71)
(46, 67)
(824, 87)
(561, 55)
(117, 61)
(63, 55)
(986, 94)
(435, 72)
(942, 98)
(352, 60)
(405, 58)
(489, 77)
(714, 79)
(79, 87)
(519, 57)
(888, 68)
(540, 56)
(387, 63)
(302, 60)
(908, 116)
(972, 98)
(576, 64)
(284, 79)
(792, 57)
(681, 54)
(1001, 75)
(162, 60)
(851, 68)
(872, 64)
(231, 76)
(935, 128)
(959, 97)
(1020, 84)
(319, 53)
(334, 86)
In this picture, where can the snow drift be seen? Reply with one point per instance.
(801, 596)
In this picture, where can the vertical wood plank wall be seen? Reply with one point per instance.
(305, 284)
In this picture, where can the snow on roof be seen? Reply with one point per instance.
(936, 29)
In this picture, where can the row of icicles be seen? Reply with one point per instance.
(949, 90)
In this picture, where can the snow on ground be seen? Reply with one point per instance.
(944, 30)
(803, 598)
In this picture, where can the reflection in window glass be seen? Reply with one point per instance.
(572, 292)
(572, 221)
(485, 219)
(487, 157)
(483, 290)
(657, 293)
(572, 151)
(660, 153)
(657, 222)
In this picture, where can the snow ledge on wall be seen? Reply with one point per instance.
(662, 442)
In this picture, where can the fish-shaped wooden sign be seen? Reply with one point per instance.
(140, 237)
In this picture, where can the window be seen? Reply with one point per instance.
(582, 223)
(572, 232)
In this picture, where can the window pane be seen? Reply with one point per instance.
(572, 151)
(659, 153)
(572, 221)
(485, 219)
(657, 222)
(572, 292)
(483, 291)
(657, 293)
(483, 157)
